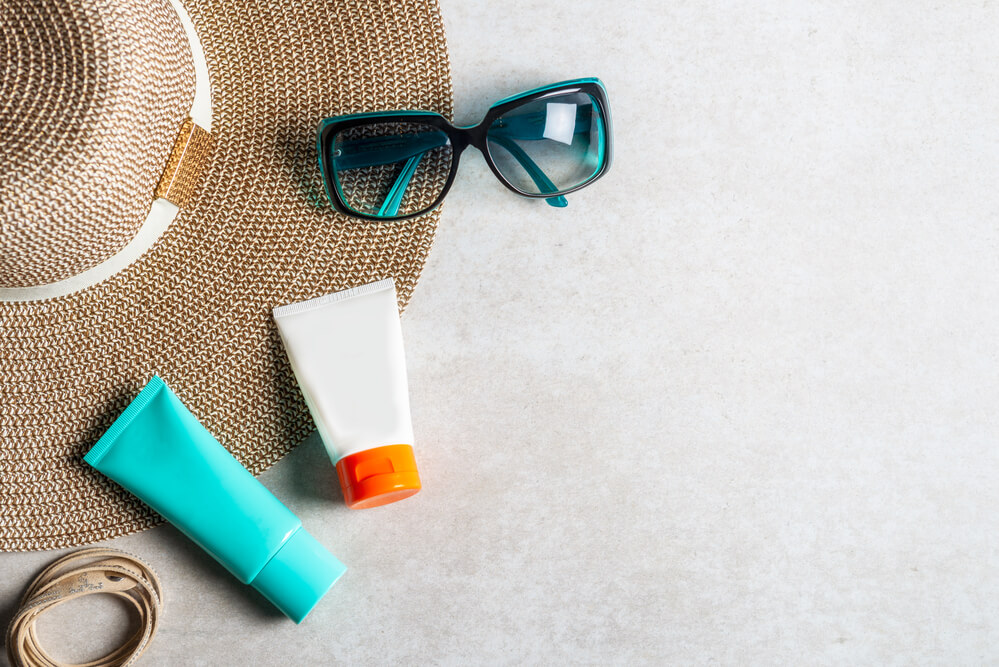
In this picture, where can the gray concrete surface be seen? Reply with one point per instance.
(736, 404)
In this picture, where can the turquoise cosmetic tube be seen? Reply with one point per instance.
(160, 452)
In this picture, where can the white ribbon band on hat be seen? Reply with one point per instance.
(161, 213)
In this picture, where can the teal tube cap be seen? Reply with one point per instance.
(298, 575)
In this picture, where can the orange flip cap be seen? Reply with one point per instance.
(378, 476)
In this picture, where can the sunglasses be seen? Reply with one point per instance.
(544, 143)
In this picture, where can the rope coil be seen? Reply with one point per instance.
(86, 572)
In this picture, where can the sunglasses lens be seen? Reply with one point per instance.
(391, 169)
(551, 145)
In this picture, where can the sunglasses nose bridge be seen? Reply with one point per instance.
(474, 136)
(462, 138)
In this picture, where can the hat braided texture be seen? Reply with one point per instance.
(196, 308)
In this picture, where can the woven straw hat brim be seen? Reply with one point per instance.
(84, 88)
(196, 308)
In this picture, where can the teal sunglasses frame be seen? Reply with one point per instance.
(388, 150)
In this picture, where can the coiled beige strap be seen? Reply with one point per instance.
(80, 573)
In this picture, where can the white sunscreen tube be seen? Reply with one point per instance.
(346, 351)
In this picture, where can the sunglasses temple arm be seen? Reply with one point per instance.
(390, 206)
(351, 158)
(531, 126)
(385, 150)
(541, 180)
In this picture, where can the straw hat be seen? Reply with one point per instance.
(94, 103)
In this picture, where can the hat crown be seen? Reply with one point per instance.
(92, 94)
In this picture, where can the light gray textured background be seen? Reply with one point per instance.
(736, 404)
